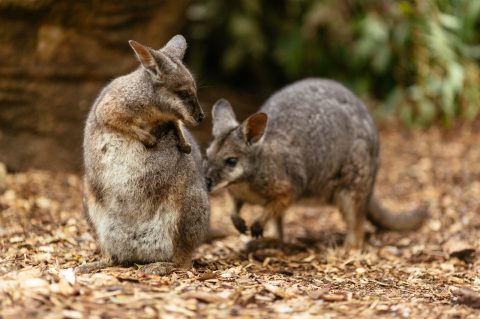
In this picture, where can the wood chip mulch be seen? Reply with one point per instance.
(430, 273)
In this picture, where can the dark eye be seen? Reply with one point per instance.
(230, 161)
(183, 94)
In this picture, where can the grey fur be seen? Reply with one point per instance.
(320, 142)
(223, 118)
(147, 203)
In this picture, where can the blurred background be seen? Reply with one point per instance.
(412, 62)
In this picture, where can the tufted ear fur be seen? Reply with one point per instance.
(144, 55)
(253, 128)
(176, 47)
(153, 61)
(223, 117)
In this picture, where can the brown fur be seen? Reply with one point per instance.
(144, 188)
(319, 144)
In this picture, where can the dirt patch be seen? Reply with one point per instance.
(420, 274)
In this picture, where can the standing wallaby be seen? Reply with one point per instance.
(320, 143)
(146, 199)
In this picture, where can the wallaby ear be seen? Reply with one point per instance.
(144, 55)
(176, 47)
(223, 117)
(254, 127)
(154, 61)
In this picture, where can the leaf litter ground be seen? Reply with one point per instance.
(430, 273)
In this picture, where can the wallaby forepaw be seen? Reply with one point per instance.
(239, 224)
(149, 141)
(185, 148)
(256, 230)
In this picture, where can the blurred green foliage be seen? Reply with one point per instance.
(419, 58)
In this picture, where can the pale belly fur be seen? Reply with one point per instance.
(131, 226)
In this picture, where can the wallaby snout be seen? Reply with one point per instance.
(199, 115)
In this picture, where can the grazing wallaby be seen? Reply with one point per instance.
(146, 199)
(312, 139)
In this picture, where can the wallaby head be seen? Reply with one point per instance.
(170, 86)
(231, 155)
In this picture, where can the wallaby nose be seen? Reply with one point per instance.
(209, 182)
(200, 117)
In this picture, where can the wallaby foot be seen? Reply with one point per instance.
(239, 223)
(354, 241)
(92, 267)
(159, 268)
(353, 211)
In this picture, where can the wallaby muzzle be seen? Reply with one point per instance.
(199, 117)
(198, 113)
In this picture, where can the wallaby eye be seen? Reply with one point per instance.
(183, 94)
(230, 161)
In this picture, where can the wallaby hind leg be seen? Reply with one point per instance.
(182, 260)
(278, 227)
(353, 209)
(183, 145)
(276, 208)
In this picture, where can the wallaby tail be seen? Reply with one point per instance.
(385, 219)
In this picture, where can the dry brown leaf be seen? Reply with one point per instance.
(459, 248)
(317, 294)
(207, 276)
(279, 292)
(333, 297)
(467, 297)
(204, 296)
